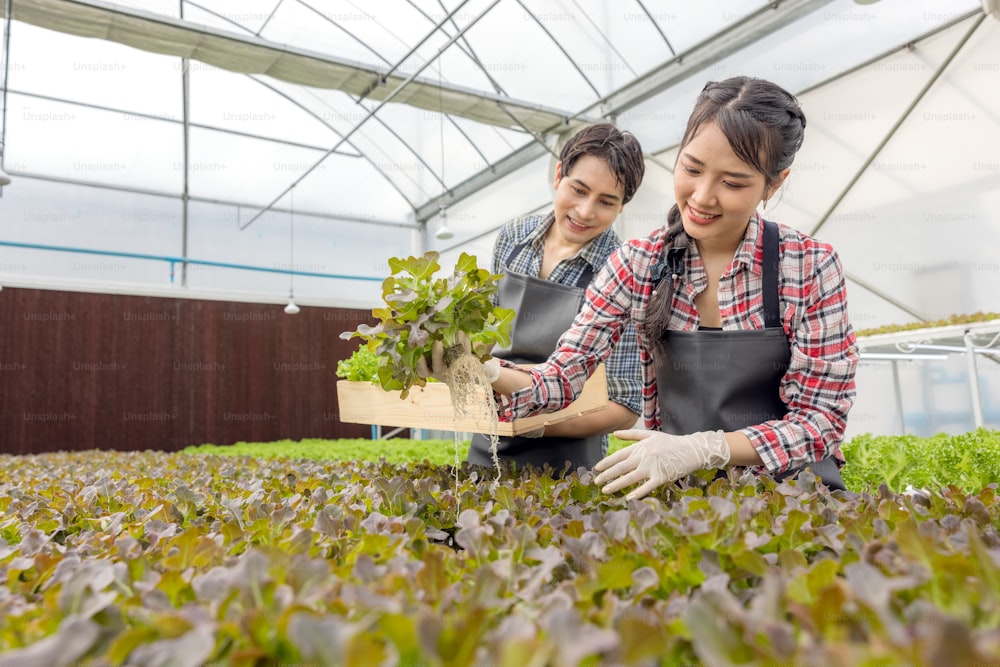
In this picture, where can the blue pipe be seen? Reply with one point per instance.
(175, 260)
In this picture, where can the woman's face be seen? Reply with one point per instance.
(586, 202)
(716, 191)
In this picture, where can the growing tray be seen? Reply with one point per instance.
(429, 407)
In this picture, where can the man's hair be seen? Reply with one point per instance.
(617, 149)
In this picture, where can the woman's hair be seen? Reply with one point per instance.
(762, 121)
(765, 127)
(619, 150)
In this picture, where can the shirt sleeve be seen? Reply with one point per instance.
(818, 387)
(589, 341)
(624, 371)
(501, 247)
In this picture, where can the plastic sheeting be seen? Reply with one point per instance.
(111, 150)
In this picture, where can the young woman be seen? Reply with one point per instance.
(747, 351)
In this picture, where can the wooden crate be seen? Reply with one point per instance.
(430, 407)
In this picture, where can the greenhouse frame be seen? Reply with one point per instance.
(177, 176)
(264, 282)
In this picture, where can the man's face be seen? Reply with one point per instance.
(587, 201)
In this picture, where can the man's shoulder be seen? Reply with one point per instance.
(602, 245)
(521, 227)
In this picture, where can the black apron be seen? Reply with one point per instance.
(729, 380)
(544, 310)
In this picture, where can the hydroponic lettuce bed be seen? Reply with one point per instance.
(155, 559)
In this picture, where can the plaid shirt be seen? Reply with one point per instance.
(818, 387)
(623, 368)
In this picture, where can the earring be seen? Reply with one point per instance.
(764, 205)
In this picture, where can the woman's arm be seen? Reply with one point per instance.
(623, 370)
(741, 450)
(818, 387)
(614, 417)
(555, 383)
(511, 380)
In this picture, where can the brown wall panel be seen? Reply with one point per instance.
(83, 370)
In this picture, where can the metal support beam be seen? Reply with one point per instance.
(895, 127)
(239, 206)
(886, 297)
(231, 51)
(186, 153)
(762, 23)
(504, 167)
(970, 364)
(899, 397)
(385, 100)
(740, 35)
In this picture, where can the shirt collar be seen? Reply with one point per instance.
(751, 251)
(595, 252)
(536, 237)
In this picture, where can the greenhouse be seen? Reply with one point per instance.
(198, 198)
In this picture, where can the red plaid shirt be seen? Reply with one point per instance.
(818, 387)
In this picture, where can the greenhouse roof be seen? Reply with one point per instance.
(317, 139)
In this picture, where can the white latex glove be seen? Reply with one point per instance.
(492, 368)
(657, 458)
(439, 371)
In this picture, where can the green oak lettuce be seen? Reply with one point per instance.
(421, 308)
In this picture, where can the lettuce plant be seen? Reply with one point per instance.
(361, 366)
(149, 557)
(421, 309)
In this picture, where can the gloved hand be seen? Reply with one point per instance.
(492, 368)
(439, 371)
(657, 458)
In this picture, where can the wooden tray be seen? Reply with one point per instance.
(430, 407)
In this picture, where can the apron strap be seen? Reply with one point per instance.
(673, 266)
(772, 302)
(586, 276)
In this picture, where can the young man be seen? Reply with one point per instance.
(547, 263)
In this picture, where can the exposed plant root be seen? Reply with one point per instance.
(472, 396)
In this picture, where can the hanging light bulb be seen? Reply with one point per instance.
(443, 233)
(292, 308)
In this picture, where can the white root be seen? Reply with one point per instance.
(472, 398)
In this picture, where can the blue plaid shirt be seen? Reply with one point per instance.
(623, 367)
